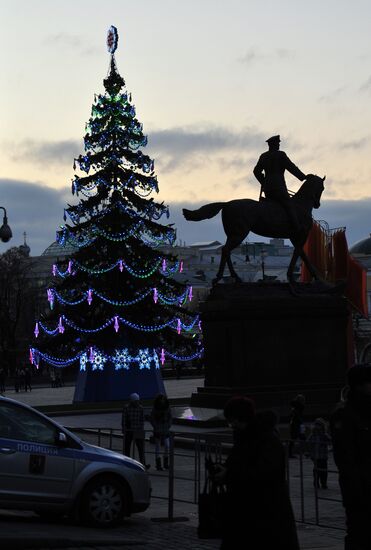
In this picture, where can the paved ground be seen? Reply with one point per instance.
(151, 530)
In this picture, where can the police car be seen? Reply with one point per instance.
(46, 468)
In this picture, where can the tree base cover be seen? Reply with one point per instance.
(117, 385)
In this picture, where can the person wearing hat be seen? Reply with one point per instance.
(351, 437)
(270, 173)
(132, 424)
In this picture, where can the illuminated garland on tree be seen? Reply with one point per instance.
(121, 358)
(175, 322)
(164, 269)
(53, 295)
(115, 231)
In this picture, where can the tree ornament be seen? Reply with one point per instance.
(190, 295)
(60, 326)
(50, 294)
(112, 39)
(90, 297)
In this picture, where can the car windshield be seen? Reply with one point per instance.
(19, 423)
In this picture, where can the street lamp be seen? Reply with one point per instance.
(5, 231)
(263, 254)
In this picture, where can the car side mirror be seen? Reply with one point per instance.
(61, 439)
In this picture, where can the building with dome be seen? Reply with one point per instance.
(361, 250)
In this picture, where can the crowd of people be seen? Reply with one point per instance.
(254, 473)
(21, 378)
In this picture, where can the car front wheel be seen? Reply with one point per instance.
(103, 502)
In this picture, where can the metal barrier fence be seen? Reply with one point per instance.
(182, 482)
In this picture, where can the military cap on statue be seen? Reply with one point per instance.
(273, 139)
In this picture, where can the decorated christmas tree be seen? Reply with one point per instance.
(115, 308)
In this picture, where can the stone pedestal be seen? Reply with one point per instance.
(263, 340)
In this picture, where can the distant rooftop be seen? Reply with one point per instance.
(362, 247)
(205, 244)
(55, 249)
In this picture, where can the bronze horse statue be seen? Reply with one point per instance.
(266, 218)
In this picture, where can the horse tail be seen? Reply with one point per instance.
(204, 213)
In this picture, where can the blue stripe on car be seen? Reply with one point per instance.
(30, 447)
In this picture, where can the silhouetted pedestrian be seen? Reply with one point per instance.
(351, 438)
(161, 420)
(258, 512)
(132, 423)
(53, 378)
(17, 380)
(318, 445)
(27, 378)
(21, 377)
(58, 379)
(296, 422)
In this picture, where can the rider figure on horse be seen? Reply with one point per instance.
(270, 173)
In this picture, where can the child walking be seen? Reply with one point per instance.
(161, 420)
(318, 443)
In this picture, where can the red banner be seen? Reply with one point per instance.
(329, 254)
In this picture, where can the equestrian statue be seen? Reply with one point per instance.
(277, 214)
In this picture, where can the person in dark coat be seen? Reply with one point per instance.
(350, 426)
(296, 422)
(27, 378)
(258, 512)
(161, 420)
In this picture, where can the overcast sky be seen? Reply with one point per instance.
(211, 80)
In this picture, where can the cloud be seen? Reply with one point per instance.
(71, 41)
(34, 208)
(332, 95)
(366, 86)
(176, 145)
(356, 144)
(44, 152)
(172, 146)
(254, 54)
